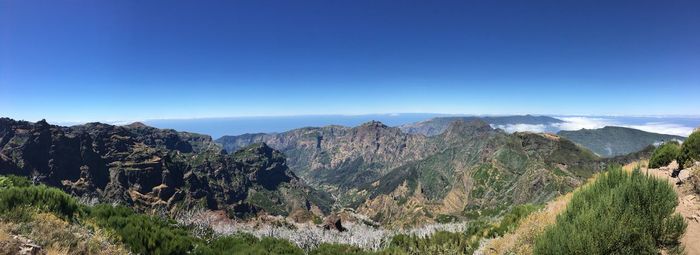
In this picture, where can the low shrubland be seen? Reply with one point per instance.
(619, 213)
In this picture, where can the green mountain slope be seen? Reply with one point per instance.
(614, 141)
(467, 171)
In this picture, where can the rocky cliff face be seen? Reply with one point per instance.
(342, 157)
(155, 169)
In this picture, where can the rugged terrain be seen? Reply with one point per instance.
(614, 141)
(156, 170)
(470, 170)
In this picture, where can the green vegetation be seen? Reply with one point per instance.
(690, 150)
(142, 234)
(459, 243)
(145, 234)
(247, 244)
(15, 200)
(13, 181)
(620, 213)
(340, 249)
(664, 154)
(615, 141)
(438, 243)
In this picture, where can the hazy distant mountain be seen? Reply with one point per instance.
(436, 126)
(155, 169)
(613, 141)
(400, 178)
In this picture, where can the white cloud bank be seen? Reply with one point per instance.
(577, 123)
(664, 128)
(511, 128)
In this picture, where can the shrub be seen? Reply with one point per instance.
(690, 150)
(9, 181)
(41, 198)
(619, 213)
(247, 244)
(438, 243)
(338, 249)
(143, 234)
(511, 219)
(664, 154)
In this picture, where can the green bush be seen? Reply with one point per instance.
(438, 243)
(511, 219)
(620, 213)
(338, 249)
(690, 150)
(41, 198)
(9, 181)
(247, 244)
(664, 154)
(143, 234)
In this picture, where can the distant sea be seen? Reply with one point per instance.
(217, 127)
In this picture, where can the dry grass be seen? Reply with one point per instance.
(58, 236)
(694, 179)
(641, 164)
(8, 246)
(522, 239)
(62, 237)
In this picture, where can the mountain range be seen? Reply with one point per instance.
(396, 178)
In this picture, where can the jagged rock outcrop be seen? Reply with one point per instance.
(155, 169)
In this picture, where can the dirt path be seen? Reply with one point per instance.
(688, 206)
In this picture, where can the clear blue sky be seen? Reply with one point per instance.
(124, 60)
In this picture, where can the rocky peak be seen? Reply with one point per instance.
(42, 123)
(256, 150)
(374, 124)
(136, 125)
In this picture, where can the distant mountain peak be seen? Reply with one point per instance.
(374, 124)
(460, 128)
(136, 125)
(469, 124)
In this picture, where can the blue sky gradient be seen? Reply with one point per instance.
(128, 60)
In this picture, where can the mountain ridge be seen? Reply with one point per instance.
(614, 141)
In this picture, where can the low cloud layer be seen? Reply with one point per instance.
(577, 123)
(511, 128)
